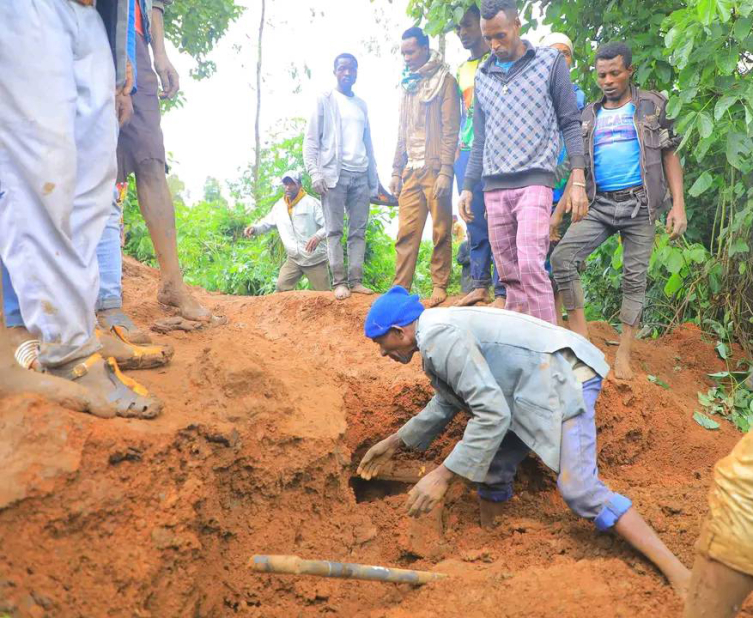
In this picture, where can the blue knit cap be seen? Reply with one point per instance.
(395, 308)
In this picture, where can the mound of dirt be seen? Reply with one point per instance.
(265, 419)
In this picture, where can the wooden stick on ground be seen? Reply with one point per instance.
(294, 565)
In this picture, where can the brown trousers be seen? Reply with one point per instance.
(291, 273)
(416, 202)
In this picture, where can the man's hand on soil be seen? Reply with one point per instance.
(377, 456)
(677, 222)
(312, 244)
(429, 491)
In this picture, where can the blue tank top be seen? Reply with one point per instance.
(617, 153)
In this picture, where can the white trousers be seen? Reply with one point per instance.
(58, 134)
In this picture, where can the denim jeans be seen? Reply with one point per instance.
(110, 258)
(630, 218)
(110, 262)
(578, 480)
(478, 235)
(352, 196)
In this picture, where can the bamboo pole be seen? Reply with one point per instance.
(293, 565)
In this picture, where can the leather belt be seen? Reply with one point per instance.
(623, 195)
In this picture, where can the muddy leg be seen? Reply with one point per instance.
(159, 213)
(622, 370)
(634, 529)
(576, 320)
(716, 590)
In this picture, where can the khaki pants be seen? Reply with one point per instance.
(291, 273)
(416, 203)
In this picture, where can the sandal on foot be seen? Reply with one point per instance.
(130, 356)
(117, 322)
(126, 397)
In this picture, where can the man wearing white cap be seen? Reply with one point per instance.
(299, 219)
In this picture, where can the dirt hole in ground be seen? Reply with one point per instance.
(376, 489)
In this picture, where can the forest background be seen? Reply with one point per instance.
(699, 53)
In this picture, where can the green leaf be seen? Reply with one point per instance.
(704, 399)
(702, 183)
(738, 147)
(723, 350)
(743, 27)
(704, 421)
(675, 261)
(697, 254)
(738, 246)
(705, 124)
(723, 104)
(674, 105)
(706, 11)
(673, 285)
(727, 61)
(658, 382)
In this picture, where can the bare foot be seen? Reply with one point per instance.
(438, 296)
(361, 289)
(182, 299)
(168, 325)
(479, 295)
(622, 370)
(499, 302)
(342, 292)
(680, 582)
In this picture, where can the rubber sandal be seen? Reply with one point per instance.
(118, 323)
(131, 399)
(143, 356)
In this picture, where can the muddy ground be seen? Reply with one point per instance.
(264, 423)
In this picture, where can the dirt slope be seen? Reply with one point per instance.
(264, 422)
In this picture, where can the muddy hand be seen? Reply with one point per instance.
(428, 491)
(464, 206)
(377, 456)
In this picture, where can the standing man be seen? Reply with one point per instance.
(424, 158)
(631, 162)
(57, 171)
(141, 151)
(339, 157)
(299, 220)
(524, 99)
(526, 385)
(563, 44)
(469, 31)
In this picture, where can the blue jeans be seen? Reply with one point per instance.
(578, 480)
(110, 274)
(478, 235)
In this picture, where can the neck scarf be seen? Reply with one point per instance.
(298, 198)
(428, 80)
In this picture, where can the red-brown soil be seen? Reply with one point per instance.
(264, 422)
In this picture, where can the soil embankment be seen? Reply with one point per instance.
(263, 425)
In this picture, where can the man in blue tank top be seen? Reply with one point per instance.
(632, 175)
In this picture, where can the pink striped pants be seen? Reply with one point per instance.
(519, 235)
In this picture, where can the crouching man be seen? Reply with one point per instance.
(527, 384)
(299, 219)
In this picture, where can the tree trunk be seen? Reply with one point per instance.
(442, 44)
(257, 130)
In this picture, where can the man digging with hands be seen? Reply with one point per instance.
(527, 385)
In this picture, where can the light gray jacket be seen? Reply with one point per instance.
(322, 145)
(296, 231)
(505, 370)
